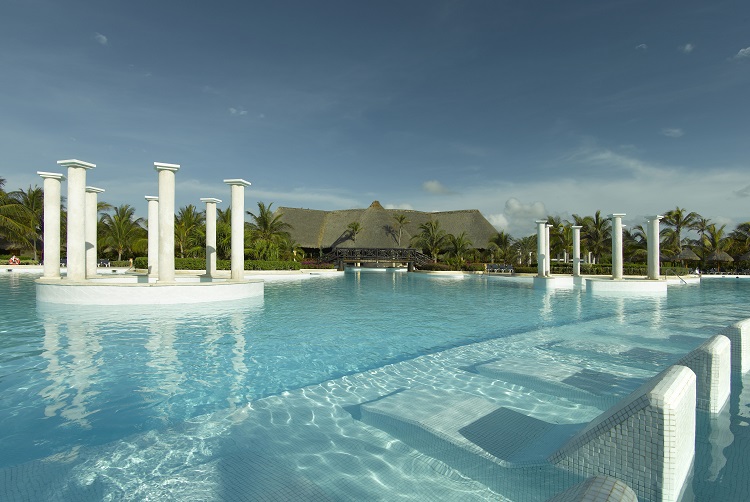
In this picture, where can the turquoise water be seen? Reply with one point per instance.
(190, 403)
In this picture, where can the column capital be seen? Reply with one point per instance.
(53, 176)
(237, 181)
(209, 200)
(540, 222)
(616, 215)
(152, 198)
(162, 166)
(76, 163)
(576, 226)
(94, 190)
(654, 217)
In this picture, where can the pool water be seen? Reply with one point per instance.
(276, 398)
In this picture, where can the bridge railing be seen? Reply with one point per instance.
(376, 254)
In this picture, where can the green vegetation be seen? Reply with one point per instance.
(354, 228)
(268, 245)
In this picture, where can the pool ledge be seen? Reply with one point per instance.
(626, 286)
(137, 290)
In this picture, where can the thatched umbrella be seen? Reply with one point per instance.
(686, 255)
(719, 256)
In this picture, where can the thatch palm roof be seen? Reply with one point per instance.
(719, 256)
(687, 254)
(329, 229)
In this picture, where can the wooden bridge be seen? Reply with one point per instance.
(410, 256)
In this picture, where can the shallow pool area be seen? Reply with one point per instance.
(343, 387)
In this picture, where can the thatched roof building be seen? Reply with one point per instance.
(314, 229)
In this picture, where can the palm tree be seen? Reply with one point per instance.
(526, 248)
(354, 228)
(267, 232)
(431, 238)
(12, 214)
(715, 239)
(224, 233)
(30, 214)
(700, 226)
(459, 246)
(501, 246)
(401, 221)
(189, 231)
(741, 238)
(122, 232)
(635, 244)
(678, 221)
(556, 236)
(596, 233)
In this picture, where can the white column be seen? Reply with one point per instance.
(617, 245)
(576, 250)
(153, 235)
(211, 235)
(76, 243)
(166, 220)
(652, 244)
(238, 226)
(52, 191)
(547, 254)
(541, 247)
(92, 219)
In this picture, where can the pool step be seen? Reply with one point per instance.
(582, 385)
(448, 425)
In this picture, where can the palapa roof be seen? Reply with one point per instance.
(313, 228)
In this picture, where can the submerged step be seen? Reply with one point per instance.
(435, 420)
(591, 387)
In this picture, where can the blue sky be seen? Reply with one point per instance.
(518, 109)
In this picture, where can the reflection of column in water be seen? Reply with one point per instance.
(73, 378)
(658, 318)
(546, 311)
(579, 303)
(164, 360)
(743, 390)
(713, 435)
(237, 396)
(620, 310)
(83, 346)
(54, 393)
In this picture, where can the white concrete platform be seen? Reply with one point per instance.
(602, 286)
(554, 282)
(128, 290)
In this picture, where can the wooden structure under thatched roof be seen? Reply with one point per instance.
(314, 229)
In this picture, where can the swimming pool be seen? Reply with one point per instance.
(265, 399)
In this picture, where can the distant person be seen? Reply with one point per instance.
(14, 260)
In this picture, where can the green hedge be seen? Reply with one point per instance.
(200, 264)
(606, 269)
(317, 265)
(436, 267)
(473, 267)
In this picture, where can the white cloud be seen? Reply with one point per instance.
(673, 132)
(237, 111)
(642, 47)
(100, 39)
(435, 187)
(518, 217)
(687, 48)
(743, 53)
(407, 207)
